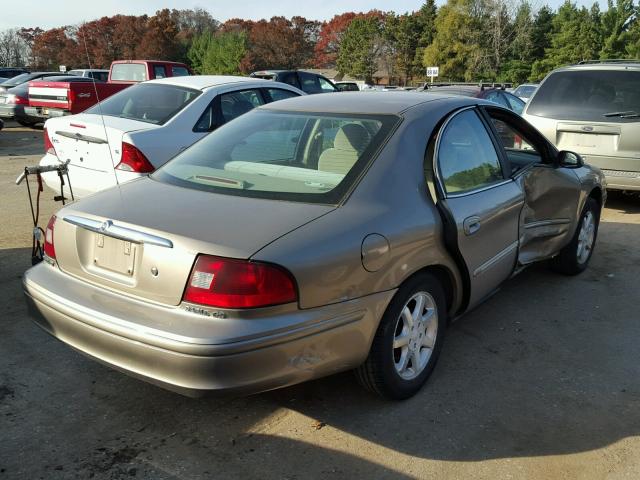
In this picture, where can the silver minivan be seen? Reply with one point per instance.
(593, 108)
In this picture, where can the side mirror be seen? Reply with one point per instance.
(569, 159)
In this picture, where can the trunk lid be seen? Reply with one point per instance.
(93, 148)
(192, 221)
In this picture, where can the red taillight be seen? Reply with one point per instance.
(49, 248)
(48, 146)
(229, 283)
(133, 160)
(17, 100)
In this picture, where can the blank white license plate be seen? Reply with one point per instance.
(113, 254)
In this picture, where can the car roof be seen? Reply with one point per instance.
(202, 82)
(390, 103)
(603, 65)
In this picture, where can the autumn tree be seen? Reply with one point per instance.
(52, 48)
(360, 48)
(279, 43)
(330, 38)
(159, 39)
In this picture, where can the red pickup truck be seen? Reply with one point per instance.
(55, 99)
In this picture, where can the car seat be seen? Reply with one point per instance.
(350, 141)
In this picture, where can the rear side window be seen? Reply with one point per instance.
(495, 97)
(467, 159)
(589, 95)
(515, 103)
(276, 94)
(234, 104)
(152, 103)
(290, 78)
(309, 83)
(136, 72)
(178, 71)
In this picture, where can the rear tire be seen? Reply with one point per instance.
(574, 258)
(408, 341)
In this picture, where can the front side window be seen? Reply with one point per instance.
(515, 104)
(147, 102)
(310, 157)
(467, 159)
(326, 86)
(495, 97)
(136, 72)
(519, 148)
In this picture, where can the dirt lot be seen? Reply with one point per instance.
(540, 382)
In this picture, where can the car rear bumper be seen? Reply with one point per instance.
(621, 173)
(274, 347)
(44, 113)
(7, 111)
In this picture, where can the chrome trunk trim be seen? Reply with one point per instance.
(109, 229)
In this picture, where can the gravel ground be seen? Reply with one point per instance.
(540, 382)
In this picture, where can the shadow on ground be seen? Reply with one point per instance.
(548, 366)
(16, 140)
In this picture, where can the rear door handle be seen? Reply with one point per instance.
(471, 225)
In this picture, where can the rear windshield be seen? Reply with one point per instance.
(309, 157)
(589, 95)
(524, 90)
(136, 72)
(151, 103)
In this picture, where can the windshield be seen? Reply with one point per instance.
(151, 103)
(589, 95)
(310, 157)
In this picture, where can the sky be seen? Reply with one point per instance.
(54, 13)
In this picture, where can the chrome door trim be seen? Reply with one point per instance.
(109, 229)
(545, 223)
(492, 261)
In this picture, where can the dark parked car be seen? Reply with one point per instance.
(493, 93)
(27, 77)
(347, 86)
(306, 81)
(14, 100)
(1, 124)
(9, 72)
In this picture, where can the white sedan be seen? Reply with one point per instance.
(140, 128)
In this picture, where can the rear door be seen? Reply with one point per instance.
(551, 193)
(480, 204)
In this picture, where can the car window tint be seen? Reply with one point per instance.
(326, 86)
(467, 159)
(309, 83)
(290, 78)
(234, 104)
(515, 104)
(177, 71)
(280, 94)
(519, 148)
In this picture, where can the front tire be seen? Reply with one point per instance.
(574, 258)
(408, 341)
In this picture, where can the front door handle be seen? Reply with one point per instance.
(471, 225)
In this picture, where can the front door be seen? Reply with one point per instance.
(551, 193)
(480, 203)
